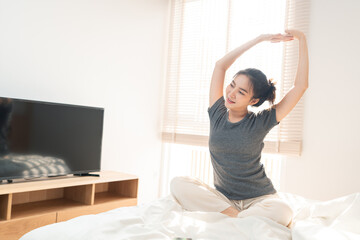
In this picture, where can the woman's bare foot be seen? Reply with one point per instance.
(231, 212)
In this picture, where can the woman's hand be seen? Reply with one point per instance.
(274, 38)
(295, 33)
(290, 35)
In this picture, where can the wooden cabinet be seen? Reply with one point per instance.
(27, 205)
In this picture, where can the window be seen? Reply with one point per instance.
(203, 31)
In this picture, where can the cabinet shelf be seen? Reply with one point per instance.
(106, 197)
(42, 207)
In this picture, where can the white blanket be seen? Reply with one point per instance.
(165, 219)
(336, 219)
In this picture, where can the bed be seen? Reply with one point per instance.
(165, 219)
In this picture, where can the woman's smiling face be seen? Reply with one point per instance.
(238, 93)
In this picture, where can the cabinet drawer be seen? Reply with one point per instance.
(14, 229)
(76, 212)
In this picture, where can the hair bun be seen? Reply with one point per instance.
(272, 91)
(271, 82)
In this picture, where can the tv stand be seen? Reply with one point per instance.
(8, 181)
(87, 174)
(25, 206)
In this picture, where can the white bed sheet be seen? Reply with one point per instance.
(165, 219)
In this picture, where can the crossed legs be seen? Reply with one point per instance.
(194, 195)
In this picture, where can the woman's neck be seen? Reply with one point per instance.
(238, 115)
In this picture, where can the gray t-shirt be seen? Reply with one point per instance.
(235, 150)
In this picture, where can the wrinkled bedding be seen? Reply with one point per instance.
(165, 219)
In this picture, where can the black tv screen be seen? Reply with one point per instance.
(48, 139)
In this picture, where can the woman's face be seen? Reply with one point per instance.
(239, 94)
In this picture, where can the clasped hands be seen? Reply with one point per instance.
(290, 35)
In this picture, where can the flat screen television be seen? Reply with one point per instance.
(43, 139)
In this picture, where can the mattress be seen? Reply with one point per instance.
(165, 219)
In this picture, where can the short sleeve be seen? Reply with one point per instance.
(267, 118)
(217, 109)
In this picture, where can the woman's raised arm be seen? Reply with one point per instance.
(218, 77)
(293, 96)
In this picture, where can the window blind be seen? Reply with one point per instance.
(203, 31)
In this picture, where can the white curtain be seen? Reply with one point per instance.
(203, 31)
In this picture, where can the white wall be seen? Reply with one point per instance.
(330, 163)
(106, 53)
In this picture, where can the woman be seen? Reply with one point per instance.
(236, 139)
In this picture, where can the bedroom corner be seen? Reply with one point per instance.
(150, 64)
(106, 54)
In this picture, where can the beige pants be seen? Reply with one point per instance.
(194, 195)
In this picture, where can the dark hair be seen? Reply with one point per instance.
(262, 89)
